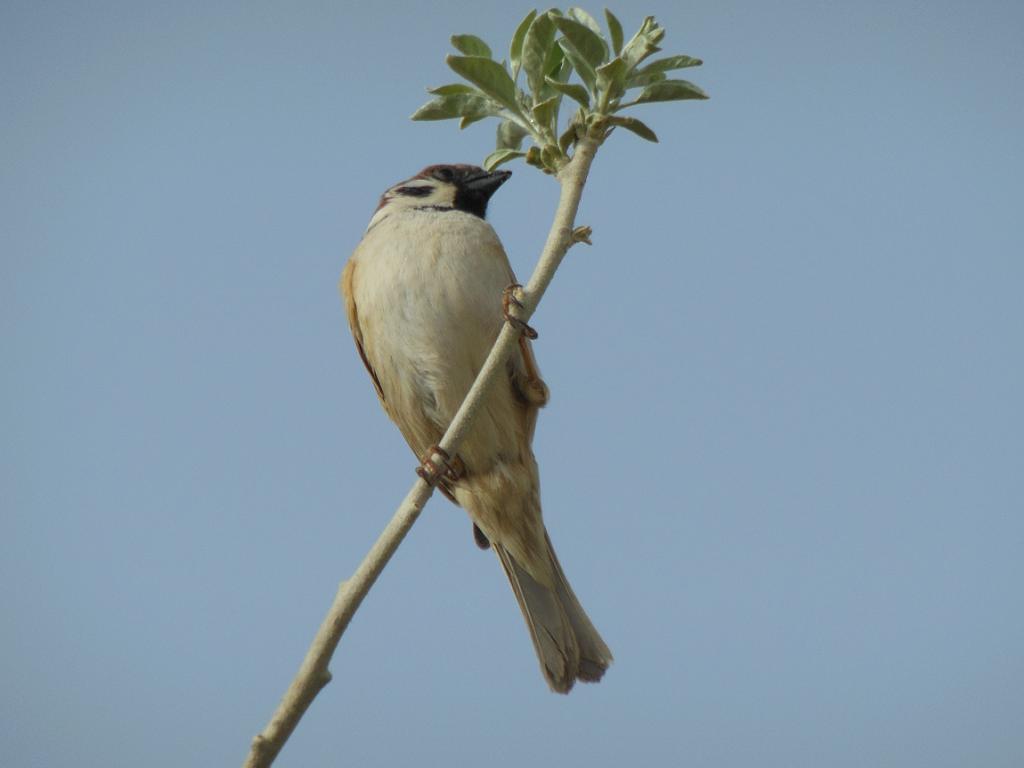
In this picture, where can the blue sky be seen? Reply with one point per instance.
(783, 460)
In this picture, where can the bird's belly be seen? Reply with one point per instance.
(430, 311)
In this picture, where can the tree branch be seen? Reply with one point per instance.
(313, 675)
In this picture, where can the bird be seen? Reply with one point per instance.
(426, 293)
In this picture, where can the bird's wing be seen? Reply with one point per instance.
(348, 292)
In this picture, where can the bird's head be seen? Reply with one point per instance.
(446, 187)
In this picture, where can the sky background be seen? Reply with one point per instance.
(783, 462)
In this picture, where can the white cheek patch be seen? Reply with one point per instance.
(414, 194)
(439, 196)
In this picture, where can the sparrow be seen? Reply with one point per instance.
(426, 293)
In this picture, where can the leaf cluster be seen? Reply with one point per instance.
(554, 55)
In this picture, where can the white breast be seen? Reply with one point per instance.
(428, 294)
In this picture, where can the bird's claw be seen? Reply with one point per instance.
(433, 471)
(509, 299)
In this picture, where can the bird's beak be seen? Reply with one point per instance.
(486, 183)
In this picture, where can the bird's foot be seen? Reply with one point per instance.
(433, 471)
(509, 300)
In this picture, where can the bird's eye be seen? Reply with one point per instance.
(444, 174)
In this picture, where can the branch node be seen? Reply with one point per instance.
(582, 235)
(259, 751)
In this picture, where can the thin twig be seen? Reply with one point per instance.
(313, 675)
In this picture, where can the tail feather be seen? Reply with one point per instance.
(595, 655)
(567, 644)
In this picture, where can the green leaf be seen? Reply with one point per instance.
(614, 31)
(489, 76)
(515, 51)
(669, 63)
(499, 156)
(634, 125)
(644, 43)
(640, 80)
(554, 67)
(468, 120)
(572, 90)
(510, 135)
(554, 63)
(447, 90)
(612, 77)
(563, 70)
(559, 74)
(546, 112)
(539, 39)
(471, 45)
(669, 90)
(589, 44)
(585, 19)
(580, 64)
(455, 105)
